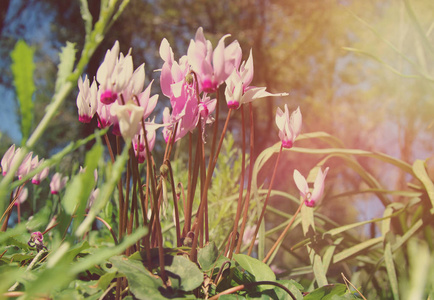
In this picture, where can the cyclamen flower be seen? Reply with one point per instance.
(92, 198)
(147, 101)
(105, 118)
(41, 175)
(139, 145)
(36, 240)
(238, 91)
(114, 74)
(129, 117)
(189, 117)
(289, 126)
(21, 196)
(176, 81)
(28, 164)
(310, 198)
(179, 84)
(8, 159)
(212, 67)
(87, 102)
(57, 183)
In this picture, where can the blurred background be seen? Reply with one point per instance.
(359, 70)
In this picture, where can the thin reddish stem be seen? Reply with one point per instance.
(249, 182)
(199, 215)
(283, 234)
(265, 203)
(240, 196)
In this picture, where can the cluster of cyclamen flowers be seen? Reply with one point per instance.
(119, 101)
(29, 164)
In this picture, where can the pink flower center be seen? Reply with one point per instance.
(208, 86)
(233, 104)
(287, 144)
(84, 119)
(108, 97)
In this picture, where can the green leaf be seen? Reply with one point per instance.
(388, 256)
(293, 286)
(257, 268)
(390, 267)
(75, 250)
(231, 297)
(422, 175)
(327, 292)
(349, 252)
(23, 69)
(66, 65)
(104, 253)
(9, 274)
(421, 265)
(105, 280)
(87, 17)
(106, 192)
(185, 274)
(207, 256)
(87, 179)
(141, 283)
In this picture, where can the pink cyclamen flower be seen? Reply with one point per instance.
(129, 117)
(139, 144)
(212, 67)
(21, 195)
(8, 158)
(311, 198)
(147, 101)
(289, 126)
(238, 90)
(57, 183)
(37, 236)
(37, 241)
(26, 165)
(92, 198)
(114, 74)
(41, 175)
(87, 102)
(188, 118)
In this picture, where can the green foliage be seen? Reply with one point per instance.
(184, 274)
(330, 292)
(66, 65)
(207, 256)
(259, 270)
(23, 68)
(142, 283)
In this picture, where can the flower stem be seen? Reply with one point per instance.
(283, 234)
(265, 203)
(175, 204)
(240, 196)
(249, 182)
(199, 215)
